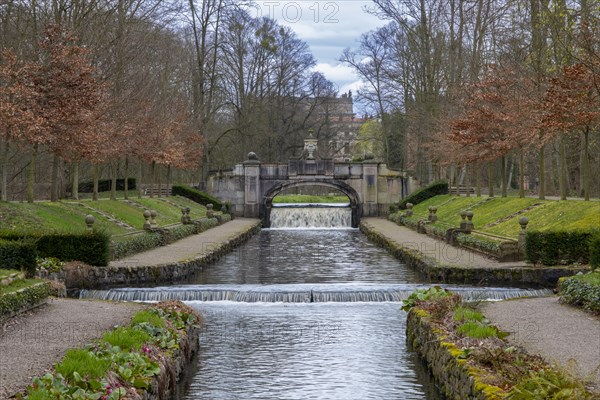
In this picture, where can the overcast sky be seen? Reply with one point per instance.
(328, 27)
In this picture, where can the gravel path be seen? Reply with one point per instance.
(560, 333)
(441, 251)
(31, 343)
(191, 247)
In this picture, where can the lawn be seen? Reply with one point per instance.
(17, 285)
(304, 198)
(549, 215)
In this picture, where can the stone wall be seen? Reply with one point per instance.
(433, 271)
(88, 277)
(452, 375)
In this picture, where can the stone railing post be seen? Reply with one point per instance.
(209, 211)
(463, 222)
(89, 222)
(523, 221)
(434, 217)
(153, 215)
(147, 224)
(430, 209)
(409, 210)
(469, 226)
(185, 216)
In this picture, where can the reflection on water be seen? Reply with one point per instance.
(307, 256)
(305, 351)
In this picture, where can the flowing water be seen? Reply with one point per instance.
(304, 314)
(311, 216)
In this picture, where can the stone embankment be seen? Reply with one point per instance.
(440, 262)
(174, 262)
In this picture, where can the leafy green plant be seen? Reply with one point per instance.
(137, 244)
(126, 338)
(478, 242)
(467, 314)
(548, 384)
(421, 295)
(81, 363)
(478, 330)
(582, 290)
(49, 264)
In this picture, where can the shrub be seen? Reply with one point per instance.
(104, 185)
(477, 330)
(467, 314)
(582, 290)
(421, 295)
(479, 243)
(557, 247)
(595, 249)
(427, 192)
(33, 293)
(197, 196)
(206, 223)
(150, 316)
(126, 338)
(89, 247)
(18, 254)
(182, 231)
(137, 244)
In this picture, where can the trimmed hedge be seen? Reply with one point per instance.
(17, 301)
(89, 247)
(595, 249)
(104, 185)
(20, 255)
(579, 290)
(557, 247)
(197, 196)
(436, 188)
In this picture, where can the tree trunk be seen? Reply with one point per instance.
(75, 190)
(126, 182)
(503, 175)
(467, 181)
(158, 173)
(139, 178)
(477, 180)
(542, 183)
(152, 178)
(521, 174)
(510, 173)
(169, 172)
(490, 179)
(5, 155)
(95, 177)
(54, 178)
(586, 164)
(113, 178)
(31, 173)
(562, 170)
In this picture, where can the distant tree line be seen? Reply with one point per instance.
(147, 88)
(482, 90)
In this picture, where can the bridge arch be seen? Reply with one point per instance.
(267, 200)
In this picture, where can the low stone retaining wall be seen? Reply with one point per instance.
(434, 271)
(88, 277)
(454, 378)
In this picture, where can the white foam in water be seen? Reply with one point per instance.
(311, 216)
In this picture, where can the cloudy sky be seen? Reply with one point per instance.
(328, 27)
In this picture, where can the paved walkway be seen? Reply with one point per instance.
(191, 247)
(438, 249)
(562, 334)
(33, 342)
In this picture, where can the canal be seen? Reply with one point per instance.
(303, 314)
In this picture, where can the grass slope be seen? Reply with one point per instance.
(549, 215)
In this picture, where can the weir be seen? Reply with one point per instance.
(311, 216)
(300, 293)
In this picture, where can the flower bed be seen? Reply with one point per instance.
(469, 358)
(142, 360)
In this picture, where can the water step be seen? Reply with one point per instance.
(299, 293)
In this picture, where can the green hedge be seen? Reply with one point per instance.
(14, 302)
(595, 250)
(197, 196)
(557, 247)
(104, 185)
(436, 188)
(18, 254)
(137, 244)
(89, 247)
(582, 290)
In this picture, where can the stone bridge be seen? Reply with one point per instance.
(251, 187)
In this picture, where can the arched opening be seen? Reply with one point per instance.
(338, 186)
